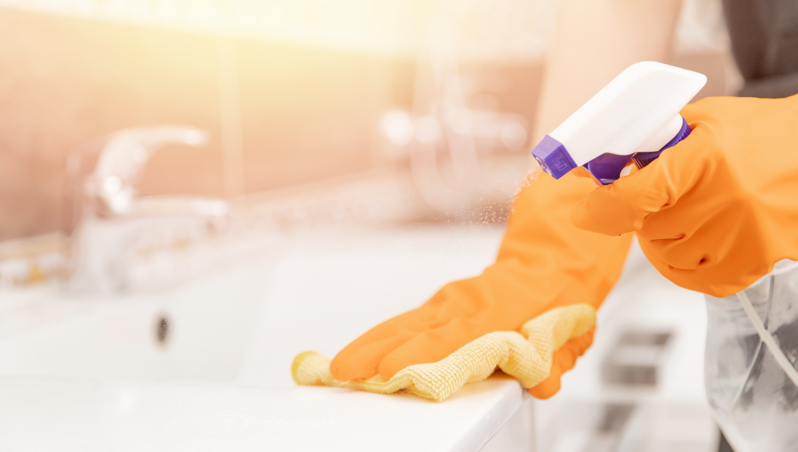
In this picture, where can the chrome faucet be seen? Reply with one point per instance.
(110, 220)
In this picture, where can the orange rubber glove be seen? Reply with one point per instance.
(716, 211)
(544, 262)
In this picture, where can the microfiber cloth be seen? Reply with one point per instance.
(524, 355)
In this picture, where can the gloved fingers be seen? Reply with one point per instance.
(689, 245)
(548, 387)
(624, 205)
(708, 273)
(361, 358)
(431, 346)
(563, 360)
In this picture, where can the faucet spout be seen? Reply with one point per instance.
(113, 220)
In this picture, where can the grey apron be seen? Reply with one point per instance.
(764, 41)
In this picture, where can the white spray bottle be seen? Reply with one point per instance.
(635, 117)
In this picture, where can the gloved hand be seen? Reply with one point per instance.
(718, 210)
(544, 262)
(527, 356)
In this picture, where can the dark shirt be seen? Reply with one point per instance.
(764, 41)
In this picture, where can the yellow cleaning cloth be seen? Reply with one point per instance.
(526, 356)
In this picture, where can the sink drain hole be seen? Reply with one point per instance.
(162, 330)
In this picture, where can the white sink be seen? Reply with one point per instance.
(91, 372)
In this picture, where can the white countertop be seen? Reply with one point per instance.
(86, 374)
(95, 415)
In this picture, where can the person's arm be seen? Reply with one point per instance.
(594, 41)
(544, 261)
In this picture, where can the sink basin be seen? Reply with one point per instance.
(206, 364)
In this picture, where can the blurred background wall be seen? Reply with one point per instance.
(290, 92)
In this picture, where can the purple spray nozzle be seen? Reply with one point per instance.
(553, 158)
